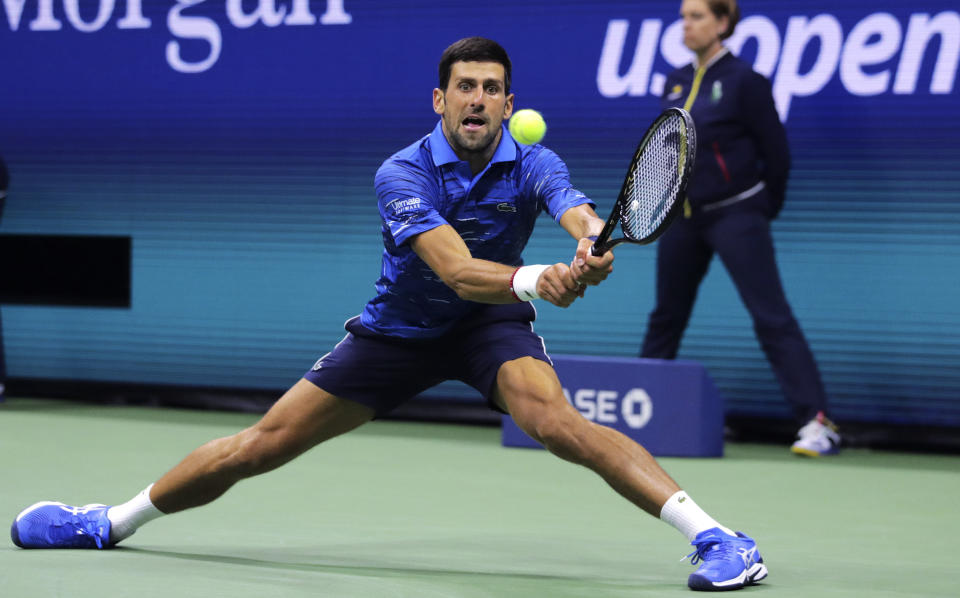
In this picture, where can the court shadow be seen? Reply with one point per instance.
(292, 559)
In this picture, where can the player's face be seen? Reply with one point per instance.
(473, 106)
(701, 28)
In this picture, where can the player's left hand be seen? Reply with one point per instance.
(589, 269)
(557, 286)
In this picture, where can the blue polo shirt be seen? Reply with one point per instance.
(426, 185)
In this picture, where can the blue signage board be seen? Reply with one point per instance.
(672, 408)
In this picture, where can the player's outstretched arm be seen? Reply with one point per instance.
(484, 281)
(583, 223)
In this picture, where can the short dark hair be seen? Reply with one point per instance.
(473, 49)
(726, 8)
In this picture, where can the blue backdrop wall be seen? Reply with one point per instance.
(235, 142)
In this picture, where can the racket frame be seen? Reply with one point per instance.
(603, 242)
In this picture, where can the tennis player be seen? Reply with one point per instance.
(453, 302)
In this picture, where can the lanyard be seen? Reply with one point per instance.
(694, 89)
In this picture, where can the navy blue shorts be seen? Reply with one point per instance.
(382, 372)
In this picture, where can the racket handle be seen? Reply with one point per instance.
(600, 245)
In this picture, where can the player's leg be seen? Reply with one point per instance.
(744, 243)
(682, 262)
(376, 375)
(304, 416)
(529, 390)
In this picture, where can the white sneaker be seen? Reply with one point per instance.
(817, 438)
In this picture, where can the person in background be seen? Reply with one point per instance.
(737, 187)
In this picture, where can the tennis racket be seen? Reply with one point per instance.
(653, 190)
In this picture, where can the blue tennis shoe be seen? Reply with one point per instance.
(56, 525)
(728, 562)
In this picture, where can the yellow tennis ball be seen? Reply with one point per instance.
(527, 126)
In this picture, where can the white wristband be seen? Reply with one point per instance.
(523, 285)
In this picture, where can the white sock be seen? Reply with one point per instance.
(126, 518)
(682, 513)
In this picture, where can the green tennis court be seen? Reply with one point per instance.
(400, 509)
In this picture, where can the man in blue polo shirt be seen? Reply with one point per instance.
(453, 302)
(427, 186)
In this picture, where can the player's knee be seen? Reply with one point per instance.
(539, 408)
(562, 432)
(256, 451)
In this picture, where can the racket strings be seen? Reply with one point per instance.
(655, 179)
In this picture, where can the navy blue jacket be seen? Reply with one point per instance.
(740, 139)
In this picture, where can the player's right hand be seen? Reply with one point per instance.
(558, 286)
(589, 269)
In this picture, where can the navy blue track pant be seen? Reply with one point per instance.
(740, 235)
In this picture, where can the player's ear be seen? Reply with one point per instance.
(439, 101)
(508, 107)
